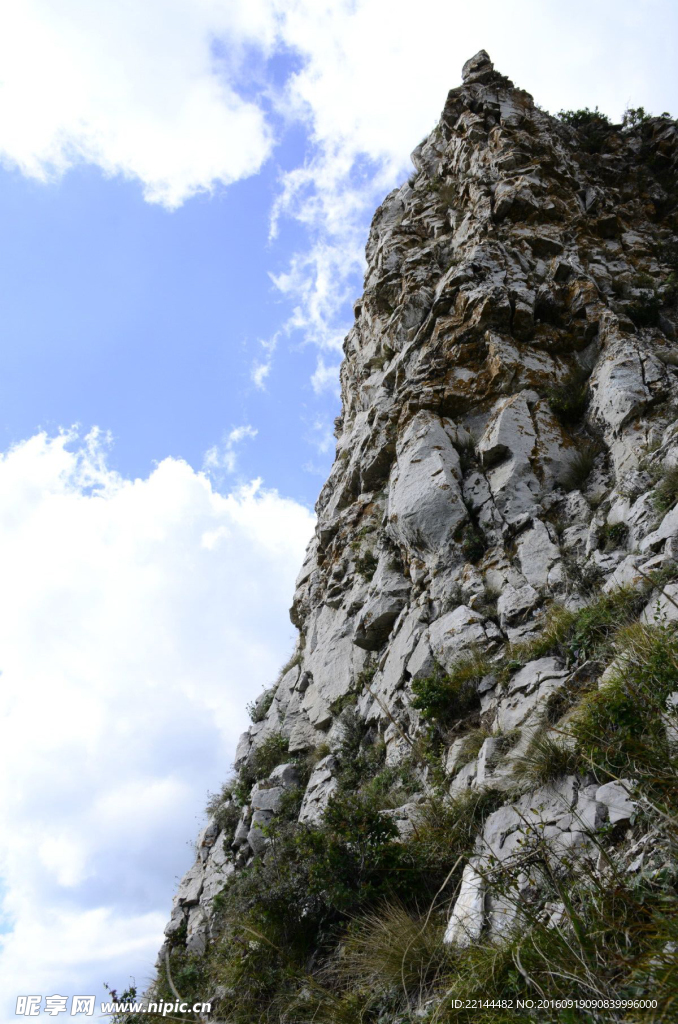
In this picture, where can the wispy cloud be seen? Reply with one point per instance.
(224, 457)
(261, 368)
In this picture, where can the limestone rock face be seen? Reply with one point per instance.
(509, 404)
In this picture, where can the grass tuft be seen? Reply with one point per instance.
(392, 949)
(546, 759)
(665, 493)
(580, 468)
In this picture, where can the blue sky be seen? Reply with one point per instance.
(116, 312)
(185, 192)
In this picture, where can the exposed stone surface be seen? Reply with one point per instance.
(466, 494)
(320, 787)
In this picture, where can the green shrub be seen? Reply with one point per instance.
(587, 577)
(366, 564)
(665, 493)
(447, 191)
(645, 311)
(350, 859)
(473, 543)
(347, 700)
(468, 456)
(592, 125)
(619, 728)
(612, 536)
(578, 636)
(472, 744)
(583, 117)
(569, 398)
(562, 700)
(617, 942)
(557, 625)
(667, 252)
(188, 973)
(634, 116)
(446, 833)
(295, 659)
(360, 754)
(224, 809)
(266, 756)
(445, 696)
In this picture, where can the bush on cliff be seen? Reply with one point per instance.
(445, 696)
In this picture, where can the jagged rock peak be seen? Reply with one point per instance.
(506, 460)
(477, 66)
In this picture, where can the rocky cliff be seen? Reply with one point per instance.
(463, 783)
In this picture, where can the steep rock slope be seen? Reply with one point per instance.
(501, 503)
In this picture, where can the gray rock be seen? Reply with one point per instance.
(389, 596)
(537, 555)
(285, 775)
(218, 869)
(477, 65)
(190, 886)
(464, 779)
(515, 602)
(668, 528)
(256, 838)
(528, 691)
(196, 931)
(502, 269)
(321, 786)
(468, 914)
(406, 818)
(425, 504)
(663, 606)
(617, 384)
(615, 797)
(267, 799)
(463, 630)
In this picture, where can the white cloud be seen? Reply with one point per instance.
(225, 458)
(137, 618)
(136, 88)
(321, 280)
(179, 95)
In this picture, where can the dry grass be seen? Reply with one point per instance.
(547, 758)
(392, 949)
